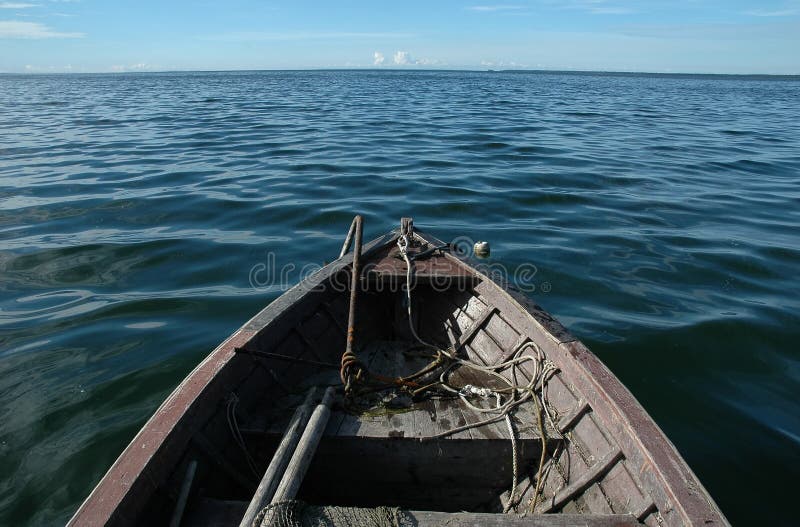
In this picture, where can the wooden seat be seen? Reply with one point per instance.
(219, 513)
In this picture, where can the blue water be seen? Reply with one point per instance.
(661, 213)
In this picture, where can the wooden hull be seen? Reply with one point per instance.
(608, 460)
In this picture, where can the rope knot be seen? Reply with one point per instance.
(351, 371)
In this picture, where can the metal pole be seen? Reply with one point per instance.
(349, 359)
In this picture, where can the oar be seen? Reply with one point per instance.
(301, 459)
(277, 467)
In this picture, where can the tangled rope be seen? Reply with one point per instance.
(516, 394)
(508, 398)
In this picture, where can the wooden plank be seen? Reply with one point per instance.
(477, 519)
(420, 472)
(214, 455)
(510, 302)
(561, 397)
(521, 339)
(587, 441)
(449, 416)
(475, 306)
(582, 483)
(488, 431)
(626, 494)
(378, 358)
(314, 326)
(183, 496)
(679, 496)
(568, 420)
(327, 310)
(220, 513)
(424, 419)
(476, 325)
(308, 347)
(525, 489)
(489, 351)
(462, 319)
(400, 424)
(506, 336)
(596, 500)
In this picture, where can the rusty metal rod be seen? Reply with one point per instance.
(348, 358)
(354, 280)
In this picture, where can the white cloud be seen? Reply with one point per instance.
(489, 8)
(379, 58)
(16, 5)
(32, 30)
(402, 58)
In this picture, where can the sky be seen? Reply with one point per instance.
(691, 36)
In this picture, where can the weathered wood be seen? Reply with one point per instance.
(186, 487)
(476, 519)
(591, 476)
(438, 474)
(449, 416)
(567, 421)
(304, 453)
(207, 448)
(477, 324)
(221, 513)
(648, 478)
(277, 467)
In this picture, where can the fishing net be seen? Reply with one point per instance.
(295, 513)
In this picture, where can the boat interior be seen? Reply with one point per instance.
(391, 446)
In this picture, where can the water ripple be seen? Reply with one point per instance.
(662, 212)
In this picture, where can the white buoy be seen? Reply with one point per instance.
(482, 249)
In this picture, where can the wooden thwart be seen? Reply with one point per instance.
(219, 513)
(476, 519)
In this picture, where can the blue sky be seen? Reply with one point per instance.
(710, 36)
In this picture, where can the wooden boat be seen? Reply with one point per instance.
(577, 450)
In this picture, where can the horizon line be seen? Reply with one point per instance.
(405, 69)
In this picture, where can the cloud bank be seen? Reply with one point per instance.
(404, 58)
